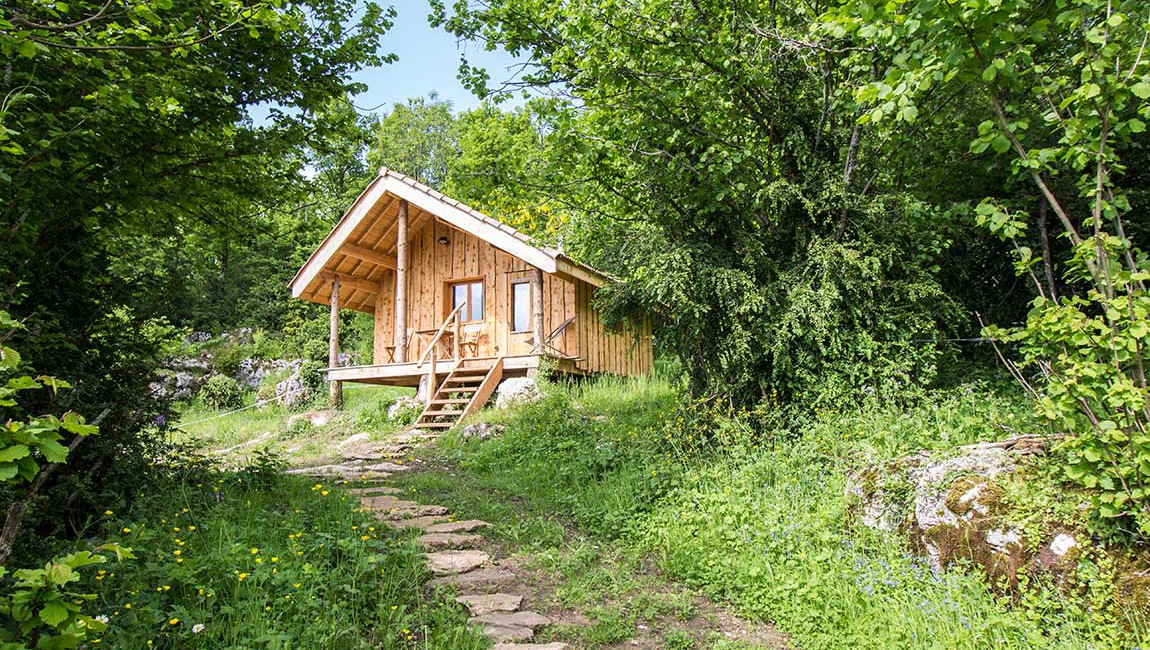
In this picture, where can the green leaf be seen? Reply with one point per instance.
(53, 451)
(1141, 89)
(54, 613)
(1000, 144)
(9, 454)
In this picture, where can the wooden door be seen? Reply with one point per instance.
(520, 339)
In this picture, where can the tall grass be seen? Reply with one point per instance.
(751, 508)
(258, 560)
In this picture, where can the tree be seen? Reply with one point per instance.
(417, 139)
(738, 194)
(125, 129)
(1064, 87)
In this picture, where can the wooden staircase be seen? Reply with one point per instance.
(464, 391)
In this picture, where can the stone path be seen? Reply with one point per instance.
(486, 589)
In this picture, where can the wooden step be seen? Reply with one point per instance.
(434, 425)
(478, 379)
(466, 389)
(442, 402)
(432, 414)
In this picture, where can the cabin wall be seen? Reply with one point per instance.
(434, 266)
(626, 352)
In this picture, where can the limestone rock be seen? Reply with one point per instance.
(404, 409)
(314, 418)
(356, 439)
(448, 540)
(465, 526)
(487, 580)
(292, 393)
(517, 391)
(506, 632)
(450, 562)
(531, 620)
(483, 604)
(419, 522)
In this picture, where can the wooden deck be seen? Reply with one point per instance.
(409, 374)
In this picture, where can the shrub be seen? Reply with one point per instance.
(226, 359)
(222, 392)
(310, 375)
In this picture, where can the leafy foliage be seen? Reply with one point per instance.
(1067, 89)
(221, 392)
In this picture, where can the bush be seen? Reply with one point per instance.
(310, 375)
(222, 392)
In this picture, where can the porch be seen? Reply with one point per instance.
(411, 373)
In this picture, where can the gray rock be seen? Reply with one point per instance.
(532, 620)
(451, 562)
(404, 408)
(489, 580)
(465, 526)
(517, 391)
(292, 392)
(482, 604)
(356, 439)
(448, 540)
(314, 418)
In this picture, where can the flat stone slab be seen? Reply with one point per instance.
(465, 526)
(531, 646)
(482, 604)
(440, 541)
(375, 489)
(507, 632)
(386, 467)
(532, 620)
(418, 522)
(489, 580)
(323, 470)
(449, 562)
(411, 512)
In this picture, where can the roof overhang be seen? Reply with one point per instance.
(361, 248)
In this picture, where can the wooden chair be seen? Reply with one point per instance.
(390, 349)
(469, 340)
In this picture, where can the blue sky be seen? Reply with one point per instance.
(428, 62)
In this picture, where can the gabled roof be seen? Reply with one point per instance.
(363, 244)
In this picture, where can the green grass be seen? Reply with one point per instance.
(239, 435)
(757, 516)
(258, 560)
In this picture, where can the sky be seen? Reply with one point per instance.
(428, 62)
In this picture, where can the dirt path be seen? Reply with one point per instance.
(529, 582)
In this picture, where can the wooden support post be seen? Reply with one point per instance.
(537, 309)
(401, 285)
(378, 342)
(431, 375)
(455, 336)
(335, 388)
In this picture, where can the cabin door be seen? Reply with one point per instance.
(520, 339)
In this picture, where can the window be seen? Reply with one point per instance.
(521, 307)
(472, 294)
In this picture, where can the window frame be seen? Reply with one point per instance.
(530, 299)
(470, 283)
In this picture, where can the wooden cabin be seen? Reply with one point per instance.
(459, 299)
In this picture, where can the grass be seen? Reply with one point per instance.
(253, 559)
(241, 434)
(757, 516)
